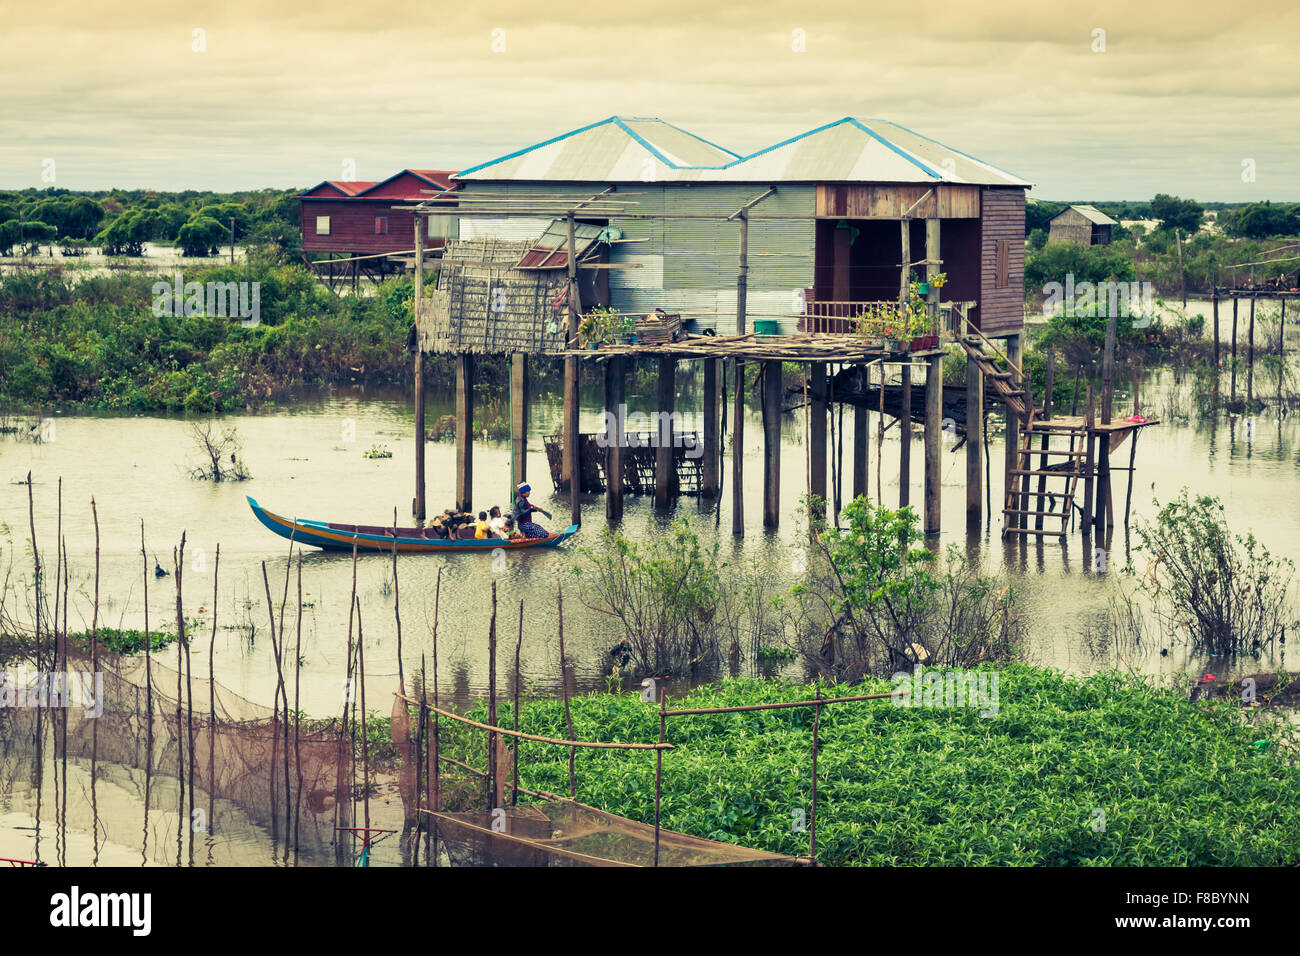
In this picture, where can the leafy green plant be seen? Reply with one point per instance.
(377, 451)
(663, 596)
(1226, 591)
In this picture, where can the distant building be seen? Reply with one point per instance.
(1085, 225)
(350, 219)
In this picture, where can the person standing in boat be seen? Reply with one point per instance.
(523, 513)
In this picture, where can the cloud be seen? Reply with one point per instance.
(283, 93)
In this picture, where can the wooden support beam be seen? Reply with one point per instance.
(665, 467)
(518, 419)
(933, 441)
(861, 443)
(974, 446)
(418, 506)
(1214, 300)
(464, 430)
(905, 440)
(1013, 353)
(1233, 393)
(572, 373)
(1089, 461)
(1250, 356)
(771, 444)
(737, 449)
(712, 407)
(817, 431)
(615, 401)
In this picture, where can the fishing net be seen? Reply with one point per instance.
(216, 755)
(567, 833)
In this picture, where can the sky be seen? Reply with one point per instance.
(1101, 101)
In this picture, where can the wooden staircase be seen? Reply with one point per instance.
(1002, 382)
(1022, 503)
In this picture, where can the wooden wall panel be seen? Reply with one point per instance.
(890, 201)
(1002, 221)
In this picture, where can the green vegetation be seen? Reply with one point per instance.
(1105, 770)
(126, 641)
(1224, 590)
(97, 342)
(121, 221)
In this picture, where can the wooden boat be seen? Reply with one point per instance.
(375, 538)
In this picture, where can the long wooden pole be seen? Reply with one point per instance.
(564, 688)
(419, 509)
(572, 372)
(492, 700)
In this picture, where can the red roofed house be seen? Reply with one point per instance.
(351, 219)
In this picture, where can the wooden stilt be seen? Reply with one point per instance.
(665, 474)
(418, 509)
(933, 441)
(817, 431)
(711, 463)
(1214, 301)
(905, 438)
(974, 427)
(737, 449)
(861, 443)
(1089, 444)
(1013, 352)
(519, 418)
(464, 430)
(771, 444)
(1233, 392)
(615, 383)
(1250, 356)
(572, 373)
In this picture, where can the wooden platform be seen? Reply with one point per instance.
(801, 347)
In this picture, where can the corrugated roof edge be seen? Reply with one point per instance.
(621, 123)
(973, 159)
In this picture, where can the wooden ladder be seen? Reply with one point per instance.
(1016, 510)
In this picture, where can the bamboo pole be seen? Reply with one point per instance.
(94, 730)
(148, 645)
(275, 718)
(365, 739)
(661, 694)
(212, 696)
(816, 745)
(564, 687)
(178, 567)
(437, 780)
(397, 605)
(492, 700)
(297, 712)
(519, 644)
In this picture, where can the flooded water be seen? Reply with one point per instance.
(307, 460)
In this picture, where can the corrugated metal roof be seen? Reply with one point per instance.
(876, 151)
(550, 251)
(650, 150)
(616, 149)
(1092, 214)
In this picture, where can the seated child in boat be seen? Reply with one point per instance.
(496, 523)
(481, 528)
(509, 531)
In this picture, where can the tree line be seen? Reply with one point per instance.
(119, 222)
